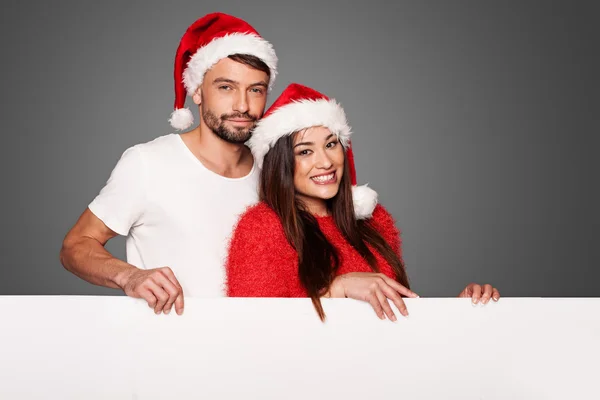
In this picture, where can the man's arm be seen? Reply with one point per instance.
(83, 254)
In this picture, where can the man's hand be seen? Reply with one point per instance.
(373, 288)
(158, 287)
(83, 254)
(481, 293)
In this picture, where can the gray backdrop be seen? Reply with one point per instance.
(477, 122)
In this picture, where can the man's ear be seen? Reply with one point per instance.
(197, 97)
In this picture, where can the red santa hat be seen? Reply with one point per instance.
(300, 107)
(207, 41)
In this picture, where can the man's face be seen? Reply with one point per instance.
(232, 98)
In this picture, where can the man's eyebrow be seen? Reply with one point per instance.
(261, 83)
(225, 80)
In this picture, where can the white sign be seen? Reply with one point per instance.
(86, 347)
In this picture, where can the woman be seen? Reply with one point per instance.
(315, 233)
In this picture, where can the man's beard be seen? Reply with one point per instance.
(235, 135)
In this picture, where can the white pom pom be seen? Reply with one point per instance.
(365, 200)
(182, 118)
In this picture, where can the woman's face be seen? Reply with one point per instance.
(319, 158)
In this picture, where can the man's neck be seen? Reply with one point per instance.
(227, 159)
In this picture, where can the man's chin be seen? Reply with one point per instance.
(235, 138)
(241, 133)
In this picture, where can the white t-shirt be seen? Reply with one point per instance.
(175, 212)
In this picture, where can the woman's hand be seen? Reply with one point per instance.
(375, 289)
(481, 293)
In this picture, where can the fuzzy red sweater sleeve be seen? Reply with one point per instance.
(260, 262)
(385, 224)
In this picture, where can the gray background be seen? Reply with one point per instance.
(477, 122)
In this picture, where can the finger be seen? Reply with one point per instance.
(179, 303)
(147, 295)
(160, 295)
(385, 305)
(168, 287)
(476, 294)
(374, 301)
(487, 293)
(467, 291)
(495, 294)
(168, 272)
(397, 299)
(399, 287)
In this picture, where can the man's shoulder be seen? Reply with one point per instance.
(160, 143)
(163, 147)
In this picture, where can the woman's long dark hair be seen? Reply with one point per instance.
(318, 260)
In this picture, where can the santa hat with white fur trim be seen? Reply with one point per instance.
(207, 41)
(300, 107)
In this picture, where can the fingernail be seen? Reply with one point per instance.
(495, 298)
(394, 319)
(167, 311)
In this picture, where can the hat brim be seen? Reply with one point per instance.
(222, 47)
(294, 117)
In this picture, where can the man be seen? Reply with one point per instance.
(177, 197)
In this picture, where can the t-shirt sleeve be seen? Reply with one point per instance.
(386, 226)
(120, 203)
(260, 261)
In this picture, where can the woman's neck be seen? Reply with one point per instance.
(315, 206)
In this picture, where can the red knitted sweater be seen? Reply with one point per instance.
(261, 262)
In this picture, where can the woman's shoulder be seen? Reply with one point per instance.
(384, 222)
(259, 220)
(382, 216)
(259, 235)
(260, 212)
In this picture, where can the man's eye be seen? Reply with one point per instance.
(257, 90)
(224, 87)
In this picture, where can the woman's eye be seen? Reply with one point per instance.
(332, 144)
